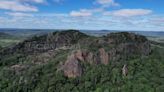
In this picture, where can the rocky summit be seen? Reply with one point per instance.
(113, 47)
(83, 48)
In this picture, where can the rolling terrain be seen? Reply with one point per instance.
(72, 61)
(8, 40)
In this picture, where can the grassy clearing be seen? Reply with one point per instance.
(8, 42)
(156, 39)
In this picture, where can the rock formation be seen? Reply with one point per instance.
(72, 67)
(94, 50)
(119, 46)
(79, 55)
(125, 70)
(44, 43)
(103, 56)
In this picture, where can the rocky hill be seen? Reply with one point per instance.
(95, 50)
(59, 58)
(113, 47)
(47, 42)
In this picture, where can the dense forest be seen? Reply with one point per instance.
(71, 61)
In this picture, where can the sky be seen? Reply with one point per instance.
(137, 15)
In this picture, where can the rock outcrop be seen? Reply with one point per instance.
(125, 70)
(120, 46)
(44, 43)
(72, 67)
(104, 58)
(80, 55)
(91, 50)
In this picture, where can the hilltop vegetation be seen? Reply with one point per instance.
(71, 61)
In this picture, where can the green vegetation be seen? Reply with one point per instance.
(145, 75)
(20, 73)
(157, 39)
(8, 42)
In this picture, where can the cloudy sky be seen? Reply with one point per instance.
(145, 15)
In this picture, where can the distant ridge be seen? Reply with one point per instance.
(30, 32)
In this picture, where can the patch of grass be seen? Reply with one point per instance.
(157, 39)
(8, 42)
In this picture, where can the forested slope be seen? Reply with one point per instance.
(71, 61)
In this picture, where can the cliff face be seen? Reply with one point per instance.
(113, 47)
(72, 67)
(84, 49)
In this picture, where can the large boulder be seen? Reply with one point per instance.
(80, 55)
(125, 70)
(104, 58)
(72, 67)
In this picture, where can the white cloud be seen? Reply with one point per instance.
(16, 6)
(19, 14)
(107, 3)
(123, 19)
(157, 21)
(94, 10)
(37, 1)
(129, 12)
(33, 1)
(96, 22)
(86, 12)
(81, 13)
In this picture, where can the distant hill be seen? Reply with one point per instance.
(105, 32)
(26, 32)
(32, 32)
